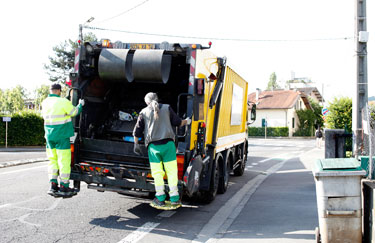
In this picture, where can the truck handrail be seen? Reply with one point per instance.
(178, 113)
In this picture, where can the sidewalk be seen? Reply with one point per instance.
(23, 149)
(282, 209)
(12, 156)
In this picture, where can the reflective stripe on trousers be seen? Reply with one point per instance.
(157, 172)
(60, 159)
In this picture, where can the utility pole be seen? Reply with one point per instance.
(361, 87)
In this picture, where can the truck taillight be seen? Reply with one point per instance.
(72, 155)
(200, 86)
(180, 166)
(106, 43)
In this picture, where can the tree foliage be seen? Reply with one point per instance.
(12, 100)
(40, 94)
(272, 83)
(62, 62)
(340, 113)
(306, 119)
(317, 109)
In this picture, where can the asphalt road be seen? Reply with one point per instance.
(274, 201)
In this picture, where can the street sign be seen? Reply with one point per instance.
(7, 119)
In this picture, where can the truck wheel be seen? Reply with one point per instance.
(240, 169)
(209, 196)
(224, 175)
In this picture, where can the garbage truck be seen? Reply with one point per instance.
(114, 77)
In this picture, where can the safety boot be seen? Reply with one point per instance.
(156, 203)
(176, 204)
(54, 188)
(66, 191)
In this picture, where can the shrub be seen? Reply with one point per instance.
(271, 131)
(25, 129)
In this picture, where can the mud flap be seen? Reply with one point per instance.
(192, 175)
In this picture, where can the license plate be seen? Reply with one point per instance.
(142, 46)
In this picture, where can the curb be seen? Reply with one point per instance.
(21, 162)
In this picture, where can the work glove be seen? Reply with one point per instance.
(81, 102)
(137, 149)
(188, 121)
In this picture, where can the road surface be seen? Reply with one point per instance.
(274, 201)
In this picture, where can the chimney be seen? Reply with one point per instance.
(257, 95)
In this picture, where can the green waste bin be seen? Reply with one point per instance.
(338, 194)
(365, 166)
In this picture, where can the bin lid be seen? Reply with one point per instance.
(338, 164)
(338, 167)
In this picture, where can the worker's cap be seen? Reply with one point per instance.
(55, 86)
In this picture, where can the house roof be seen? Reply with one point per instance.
(278, 99)
(312, 90)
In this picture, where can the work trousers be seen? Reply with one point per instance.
(59, 155)
(163, 161)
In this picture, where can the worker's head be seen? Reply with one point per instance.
(55, 89)
(151, 99)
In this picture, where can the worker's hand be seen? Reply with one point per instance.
(137, 149)
(188, 121)
(81, 102)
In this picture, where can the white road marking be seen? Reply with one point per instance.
(17, 171)
(12, 204)
(138, 234)
(166, 214)
(23, 217)
(292, 171)
(22, 220)
(225, 216)
(254, 163)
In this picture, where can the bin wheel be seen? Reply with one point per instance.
(317, 235)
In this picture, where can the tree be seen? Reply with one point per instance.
(306, 119)
(1, 100)
(272, 84)
(340, 113)
(62, 62)
(317, 109)
(40, 94)
(12, 100)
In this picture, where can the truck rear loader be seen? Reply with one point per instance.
(113, 78)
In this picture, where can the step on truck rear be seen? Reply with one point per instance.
(113, 78)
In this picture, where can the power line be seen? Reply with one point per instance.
(216, 38)
(136, 6)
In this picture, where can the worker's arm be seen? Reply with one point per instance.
(138, 129)
(72, 110)
(176, 121)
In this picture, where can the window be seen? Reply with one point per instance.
(293, 122)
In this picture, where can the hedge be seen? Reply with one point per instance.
(271, 131)
(25, 129)
(304, 132)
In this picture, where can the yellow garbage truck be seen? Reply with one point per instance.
(113, 78)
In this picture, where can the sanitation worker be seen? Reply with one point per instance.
(58, 128)
(155, 122)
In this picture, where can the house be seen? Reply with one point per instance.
(278, 108)
(313, 93)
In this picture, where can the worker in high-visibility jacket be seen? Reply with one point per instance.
(58, 127)
(155, 122)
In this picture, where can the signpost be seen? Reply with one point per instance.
(6, 120)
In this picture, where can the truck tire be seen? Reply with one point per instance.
(209, 196)
(239, 170)
(225, 170)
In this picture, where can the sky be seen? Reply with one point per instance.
(273, 30)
